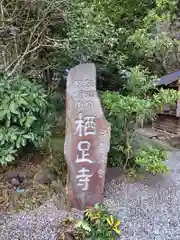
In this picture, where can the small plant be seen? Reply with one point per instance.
(103, 225)
(97, 224)
(23, 114)
(152, 160)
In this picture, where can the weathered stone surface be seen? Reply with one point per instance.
(87, 138)
(15, 182)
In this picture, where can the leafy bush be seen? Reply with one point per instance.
(151, 160)
(23, 114)
(97, 224)
(103, 225)
(129, 111)
(156, 40)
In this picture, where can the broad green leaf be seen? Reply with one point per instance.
(23, 102)
(2, 114)
(29, 121)
(13, 108)
(18, 142)
(23, 142)
(9, 158)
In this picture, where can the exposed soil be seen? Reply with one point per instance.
(29, 181)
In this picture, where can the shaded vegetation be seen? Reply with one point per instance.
(131, 43)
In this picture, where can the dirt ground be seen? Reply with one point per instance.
(32, 179)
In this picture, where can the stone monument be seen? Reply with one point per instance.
(87, 138)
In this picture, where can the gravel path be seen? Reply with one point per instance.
(148, 209)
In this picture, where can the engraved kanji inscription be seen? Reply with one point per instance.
(83, 178)
(83, 148)
(85, 126)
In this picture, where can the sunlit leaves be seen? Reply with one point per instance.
(151, 160)
(114, 224)
(83, 225)
(103, 224)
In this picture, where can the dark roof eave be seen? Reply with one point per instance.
(169, 78)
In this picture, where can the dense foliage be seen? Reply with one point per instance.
(22, 116)
(156, 41)
(123, 38)
(129, 111)
(116, 35)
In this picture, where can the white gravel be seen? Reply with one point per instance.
(148, 209)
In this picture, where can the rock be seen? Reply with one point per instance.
(87, 138)
(15, 182)
(14, 175)
(11, 175)
(44, 176)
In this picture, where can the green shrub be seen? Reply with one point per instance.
(126, 112)
(23, 114)
(103, 225)
(151, 160)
